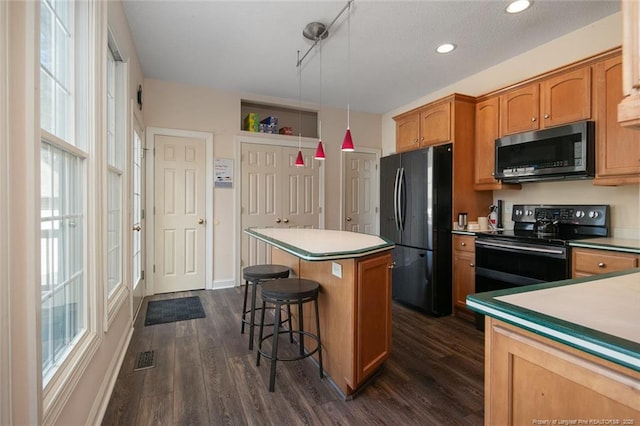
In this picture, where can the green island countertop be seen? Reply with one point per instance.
(599, 314)
(321, 244)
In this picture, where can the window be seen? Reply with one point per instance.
(116, 133)
(64, 171)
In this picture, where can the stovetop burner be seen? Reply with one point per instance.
(574, 222)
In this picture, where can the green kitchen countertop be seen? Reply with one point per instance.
(598, 314)
(613, 244)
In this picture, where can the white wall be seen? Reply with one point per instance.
(590, 40)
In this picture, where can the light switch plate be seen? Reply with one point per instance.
(336, 269)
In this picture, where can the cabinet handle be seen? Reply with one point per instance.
(393, 265)
(546, 116)
(533, 119)
(472, 265)
(601, 265)
(421, 138)
(463, 244)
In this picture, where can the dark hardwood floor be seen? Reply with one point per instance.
(205, 375)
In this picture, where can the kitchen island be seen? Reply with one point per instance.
(354, 272)
(567, 351)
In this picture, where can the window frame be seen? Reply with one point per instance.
(115, 298)
(61, 382)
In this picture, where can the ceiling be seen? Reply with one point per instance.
(251, 47)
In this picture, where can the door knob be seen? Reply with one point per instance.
(348, 219)
(285, 220)
(278, 220)
(137, 228)
(200, 221)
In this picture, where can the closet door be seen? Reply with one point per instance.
(275, 193)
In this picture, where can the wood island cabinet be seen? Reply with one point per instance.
(617, 147)
(560, 99)
(529, 377)
(586, 261)
(355, 313)
(464, 273)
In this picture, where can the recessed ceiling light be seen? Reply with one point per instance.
(518, 6)
(445, 48)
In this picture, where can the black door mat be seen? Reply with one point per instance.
(170, 310)
(144, 360)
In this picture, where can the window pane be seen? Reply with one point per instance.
(46, 38)
(114, 231)
(61, 245)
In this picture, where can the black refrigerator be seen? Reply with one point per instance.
(415, 213)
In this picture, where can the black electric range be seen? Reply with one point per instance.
(524, 255)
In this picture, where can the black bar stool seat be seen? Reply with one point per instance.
(289, 291)
(255, 275)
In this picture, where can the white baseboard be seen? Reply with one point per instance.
(218, 284)
(106, 388)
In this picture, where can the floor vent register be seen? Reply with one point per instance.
(145, 360)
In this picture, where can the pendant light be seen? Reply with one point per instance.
(320, 149)
(347, 143)
(299, 159)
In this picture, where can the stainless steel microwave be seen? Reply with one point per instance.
(563, 152)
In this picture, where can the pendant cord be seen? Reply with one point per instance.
(348, 64)
(320, 112)
(300, 105)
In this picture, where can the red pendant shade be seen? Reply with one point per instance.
(299, 160)
(347, 143)
(319, 151)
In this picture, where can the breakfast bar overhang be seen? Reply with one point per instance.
(354, 272)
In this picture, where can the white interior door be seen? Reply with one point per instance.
(180, 164)
(361, 193)
(138, 222)
(275, 193)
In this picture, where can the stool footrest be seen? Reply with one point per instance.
(296, 358)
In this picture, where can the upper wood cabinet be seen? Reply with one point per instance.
(408, 132)
(629, 107)
(430, 125)
(435, 124)
(617, 147)
(561, 99)
(487, 131)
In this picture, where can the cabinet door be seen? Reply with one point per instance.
(629, 107)
(566, 98)
(435, 124)
(373, 315)
(618, 148)
(408, 132)
(487, 131)
(464, 279)
(520, 109)
(592, 262)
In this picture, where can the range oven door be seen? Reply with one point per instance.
(504, 263)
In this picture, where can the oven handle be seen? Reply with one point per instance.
(521, 248)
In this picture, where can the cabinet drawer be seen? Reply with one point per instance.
(464, 242)
(600, 261)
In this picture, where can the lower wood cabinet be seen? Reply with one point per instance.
(586, 261)
(464, 273)
(530, 379)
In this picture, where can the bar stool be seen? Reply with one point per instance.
(255, 275)
(289, 291)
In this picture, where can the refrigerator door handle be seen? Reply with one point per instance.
(396, 215)
(401, 200)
